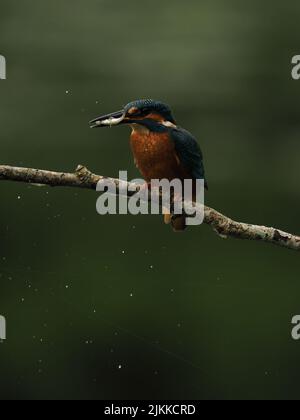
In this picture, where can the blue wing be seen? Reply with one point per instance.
(189, 153)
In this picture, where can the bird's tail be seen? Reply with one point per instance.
(177, 222)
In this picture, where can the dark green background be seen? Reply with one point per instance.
(212, 318)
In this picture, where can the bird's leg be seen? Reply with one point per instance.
(176, 201)
(177, 217)
(144, 190)
(174, 207)
(145, 187)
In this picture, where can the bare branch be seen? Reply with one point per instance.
(83, 178)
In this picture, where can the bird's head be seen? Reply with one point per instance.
(142, 112)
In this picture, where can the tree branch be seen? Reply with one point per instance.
(83, 178)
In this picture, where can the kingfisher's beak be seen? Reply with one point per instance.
(108, 120)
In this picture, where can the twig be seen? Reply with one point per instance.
(83, 178)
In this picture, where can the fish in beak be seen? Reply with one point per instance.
(108, 120)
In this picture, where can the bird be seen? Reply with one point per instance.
(161, 148)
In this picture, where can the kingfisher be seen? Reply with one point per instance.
(161, 149)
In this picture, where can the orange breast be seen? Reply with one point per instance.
(155, 156)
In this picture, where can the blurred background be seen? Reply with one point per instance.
(120, 307)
